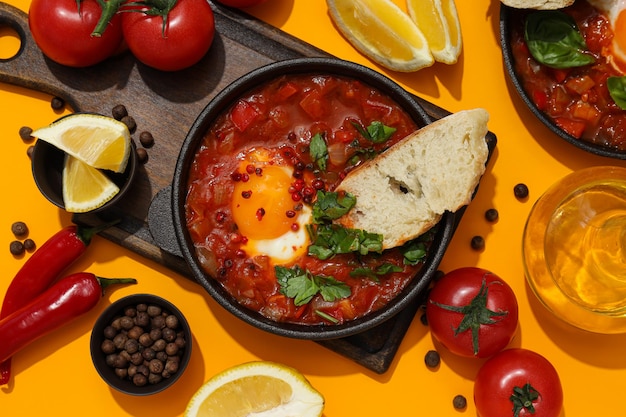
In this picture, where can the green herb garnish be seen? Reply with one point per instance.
(376, 132)
(331, 239)
(373, 274)
(617, 90)
(302, 286)
(319, 151)
(329, 205)
(555, 41)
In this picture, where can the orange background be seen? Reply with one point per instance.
(54, 376)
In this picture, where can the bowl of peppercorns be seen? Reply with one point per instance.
(141, 344)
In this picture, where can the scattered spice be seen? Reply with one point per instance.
(521, 191)
(16, 247)
(491, 215)
(129, 121)
(57, 103)
(29, 151)
(19, 229)
(25, 133)
(459, 402)
(432, 359)
(29, 245)
(146, 139)
(142, 155)
(478, 243)
(119, 111)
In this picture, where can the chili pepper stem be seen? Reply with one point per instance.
(106, 282)
(86, 233)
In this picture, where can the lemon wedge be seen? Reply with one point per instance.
(382, 31)
(256, 388)
(99, 141)
(439, 22)
(85, 188)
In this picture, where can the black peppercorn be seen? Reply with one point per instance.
(16, 247)
(19, 229)
(129, 122)
(520, 191)
(459, 402)
(29, 245)
(491, 215)
(146, 139)
(57, 103)
(478, 243)
(142, 155)
(119, 111)
(432, 359)
(25, 133)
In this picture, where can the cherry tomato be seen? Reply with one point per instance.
(63, 33)
(241, 3)
(472, 312)
(182, 42)
(518, 383)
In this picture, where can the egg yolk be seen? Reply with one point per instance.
(260, 205)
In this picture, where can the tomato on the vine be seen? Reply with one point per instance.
(63, 31)
(172, 35)
(518, 383)
(241, 3)
(472, 312)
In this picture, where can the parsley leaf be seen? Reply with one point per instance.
(319, 151)
(329, 206)
(332, 239)
(302, 286)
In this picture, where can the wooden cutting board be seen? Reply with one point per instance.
(166, 105)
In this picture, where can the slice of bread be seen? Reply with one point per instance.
(405, 190)
(538, 4)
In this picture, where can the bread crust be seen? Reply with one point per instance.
(404, 191)
(538, 4)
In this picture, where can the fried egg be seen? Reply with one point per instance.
(272, 223)
(615, 11)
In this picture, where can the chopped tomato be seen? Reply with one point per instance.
(312, 104)
(580, 84)
(243, 114)
(573, 127)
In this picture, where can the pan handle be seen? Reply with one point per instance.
(29, 68)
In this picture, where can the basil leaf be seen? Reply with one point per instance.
(617, 90)
(329, 206)
(414, 252)
(319, 151)
(376, 132)
(555, 41)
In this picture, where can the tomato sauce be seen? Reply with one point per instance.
(576, 99)
(280, 118)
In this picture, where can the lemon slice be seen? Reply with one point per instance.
(382, 31)
(99, 141)
(439, 22)
(256, 389)
(85, 188)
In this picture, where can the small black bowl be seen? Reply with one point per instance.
(99, 357)
(509, 17)
(47, 166)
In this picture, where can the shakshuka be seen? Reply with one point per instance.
(254, 193)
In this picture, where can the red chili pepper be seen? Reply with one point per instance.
(41, 269)
(67, 299)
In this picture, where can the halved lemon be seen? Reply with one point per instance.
(382, 31)
(439, 22)
(99, 141)
(85, 188)
(256, 388)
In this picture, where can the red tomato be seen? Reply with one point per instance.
(185, 39)
(472, 312)
(241, 3)
(64, 34)
(518, 383)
